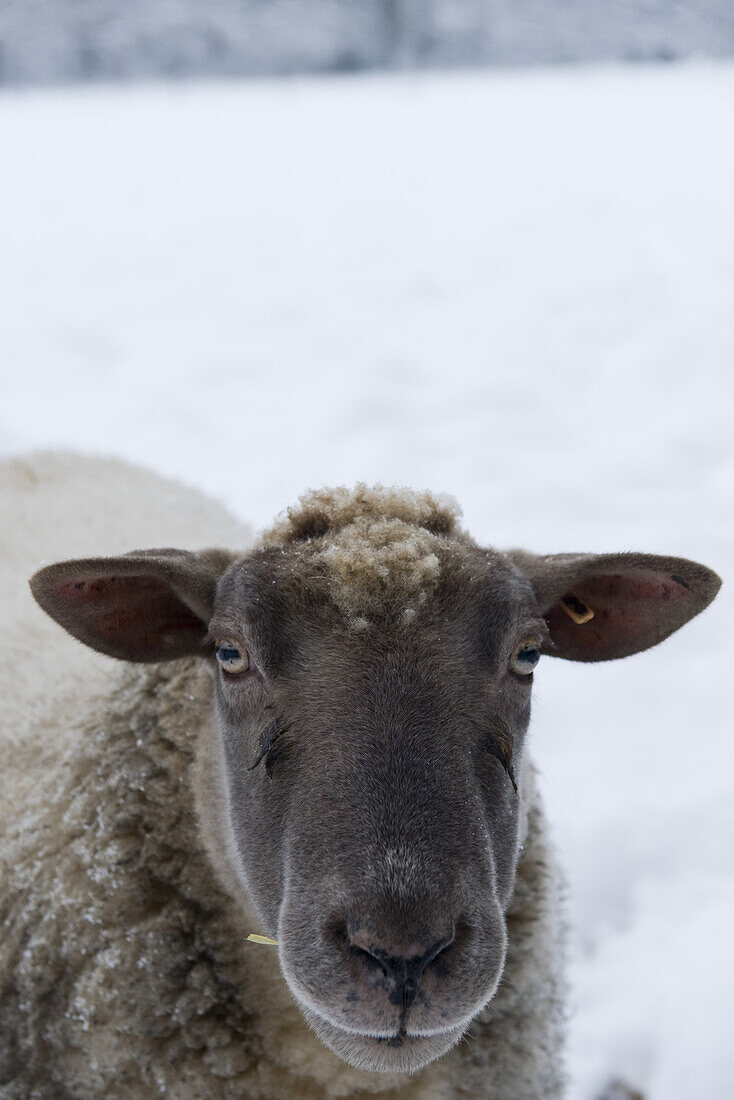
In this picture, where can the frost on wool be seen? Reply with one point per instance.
(380, 547)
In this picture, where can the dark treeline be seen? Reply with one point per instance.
(76, 40)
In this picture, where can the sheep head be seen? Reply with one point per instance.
(373, 674)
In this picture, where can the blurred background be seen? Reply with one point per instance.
(103, 39)
(479, 246)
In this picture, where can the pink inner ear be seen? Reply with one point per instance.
(135, 617)
(631, 612)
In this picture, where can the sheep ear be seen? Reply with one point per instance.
(150, 605)
(602, 606)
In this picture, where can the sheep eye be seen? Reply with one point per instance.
(232, 658)
(525, 658)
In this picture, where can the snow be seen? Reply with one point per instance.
(515, 287)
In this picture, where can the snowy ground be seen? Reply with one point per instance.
(515, 287)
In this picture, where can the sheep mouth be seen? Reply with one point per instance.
(401, 1052)
(393, 1040)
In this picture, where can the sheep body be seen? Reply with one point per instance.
(124, 970)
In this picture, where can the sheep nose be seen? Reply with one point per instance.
(404, 969)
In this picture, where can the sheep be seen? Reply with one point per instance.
(316, 736)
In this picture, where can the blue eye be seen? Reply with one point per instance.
(525, 658)
(232, 658)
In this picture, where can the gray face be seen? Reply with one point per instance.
(372, 749)
(378, 834)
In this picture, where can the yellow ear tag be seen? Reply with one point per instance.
(576, 609)
(261, 939)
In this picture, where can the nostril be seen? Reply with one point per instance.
(337, 934)
(404, 970)
(371, 960)
(437, 949)
(417, 965)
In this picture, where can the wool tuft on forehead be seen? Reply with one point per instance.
(381, 547)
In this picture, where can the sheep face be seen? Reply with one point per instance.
(373, 770)
(373, 672)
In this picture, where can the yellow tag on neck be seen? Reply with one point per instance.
(261, 939)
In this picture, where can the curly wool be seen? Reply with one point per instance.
(381, 547)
